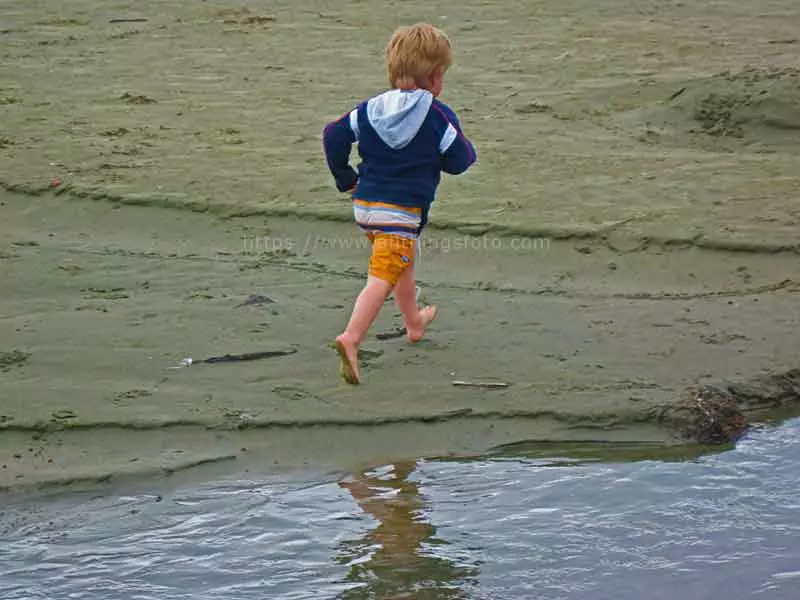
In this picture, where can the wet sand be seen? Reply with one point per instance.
(634, 230)
(104, 299)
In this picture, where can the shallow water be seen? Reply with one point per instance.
(614, 523)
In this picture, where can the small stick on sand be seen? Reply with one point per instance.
(128, 20)
(188, 362)
(248, 356)
(482, 384)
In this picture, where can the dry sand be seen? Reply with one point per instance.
(634, 217)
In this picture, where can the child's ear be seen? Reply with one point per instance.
(437, 82)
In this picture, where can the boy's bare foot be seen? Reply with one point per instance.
(427, 315)
(348, 355)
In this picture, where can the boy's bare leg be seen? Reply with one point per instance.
(366, 309)
(416, 319)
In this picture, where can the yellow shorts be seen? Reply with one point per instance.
(391, 256)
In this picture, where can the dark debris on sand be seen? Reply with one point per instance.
(709, 414)
(13, 358)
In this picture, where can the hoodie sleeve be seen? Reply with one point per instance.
(458, 153)
(338, 138)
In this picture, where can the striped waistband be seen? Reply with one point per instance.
(388, 218)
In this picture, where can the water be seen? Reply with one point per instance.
(614, 524)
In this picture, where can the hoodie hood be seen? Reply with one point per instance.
(397, 115)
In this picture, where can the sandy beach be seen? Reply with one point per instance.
(632, 230)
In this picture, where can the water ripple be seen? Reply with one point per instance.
(719, 526)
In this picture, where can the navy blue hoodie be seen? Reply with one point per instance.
(406, 138)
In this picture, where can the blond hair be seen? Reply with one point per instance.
(416, 53)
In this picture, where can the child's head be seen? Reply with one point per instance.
(418, 56)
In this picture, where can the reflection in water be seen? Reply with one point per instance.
(397, 559)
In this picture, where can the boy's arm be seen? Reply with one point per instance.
(338, 138)
(458, 152)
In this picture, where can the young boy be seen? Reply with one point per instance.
(406, 138)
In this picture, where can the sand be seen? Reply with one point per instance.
(631, 231)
